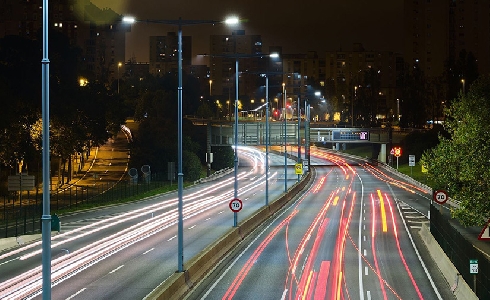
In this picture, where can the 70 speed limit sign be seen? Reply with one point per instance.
(440, 196)
(236, 205)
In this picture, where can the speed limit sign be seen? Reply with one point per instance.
(440, 196)
(236, 205)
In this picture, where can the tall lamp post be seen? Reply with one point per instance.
(180, 174)
(272, 55)
(118, 67)
(237, 56)
(46, 216)
(352, 105)
(285, 139)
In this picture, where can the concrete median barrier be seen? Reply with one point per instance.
(179, 284)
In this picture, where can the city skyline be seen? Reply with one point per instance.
(313, 26)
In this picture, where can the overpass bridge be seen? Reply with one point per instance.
(253, 133)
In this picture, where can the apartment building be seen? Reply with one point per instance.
(164, 53)
(438, 30)
(224, 50)
(97, 32)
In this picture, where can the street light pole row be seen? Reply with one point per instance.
(180, 174)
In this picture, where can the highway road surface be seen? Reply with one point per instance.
(125, 251)
(349, 236)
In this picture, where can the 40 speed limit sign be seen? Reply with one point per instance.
(236, 205)
(440, 196)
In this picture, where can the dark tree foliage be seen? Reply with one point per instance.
(80, 116)
(460, 163)
(418, 141)
(414, 105)
(367, 103)
(223, 157)
(465, 68)
(155, 142)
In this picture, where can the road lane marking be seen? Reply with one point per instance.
(207, 219)
(10, 260)
(368, 295)
(366, 271)
(365, 252)
(284, 294)
(115, 270)
(415, 248)
(148, 251)
(192, 226)
(359, 258)
(383, 212)
(77, 293)
(171, 238)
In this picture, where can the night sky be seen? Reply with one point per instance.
(297, 26)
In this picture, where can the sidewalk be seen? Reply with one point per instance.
(104, 153)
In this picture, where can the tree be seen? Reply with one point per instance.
(204, 111)
(413, 106)
(223, 157)
(460, 164)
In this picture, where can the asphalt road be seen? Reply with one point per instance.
(125, 251)
(352, 235)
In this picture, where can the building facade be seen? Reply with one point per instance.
(223, 52)
(164, 53)
(438, 30)
(98, 33)
(345, 73)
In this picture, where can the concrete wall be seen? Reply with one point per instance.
(459, 287)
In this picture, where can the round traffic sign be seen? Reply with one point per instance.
(236, 205)
(440, 196)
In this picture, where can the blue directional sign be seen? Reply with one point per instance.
(349, 135)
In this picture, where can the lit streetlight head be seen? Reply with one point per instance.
(128, 19)
(232, 21)
(274, 55)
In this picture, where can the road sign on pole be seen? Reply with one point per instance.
(440, 196)
(485, 233)
(473, 266)
(305, 165)
(411, 160)
(298, 168)
(236, 205)
(21, 182)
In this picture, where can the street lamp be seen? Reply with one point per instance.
(237, 56)
(118, 67)
(285, 139)
(180, 174)
(210, 90)
(46, 216)
(352, 108)
(463, 82)
(398, 110)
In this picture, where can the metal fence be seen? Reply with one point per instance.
(21, 213)
(460, 251)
